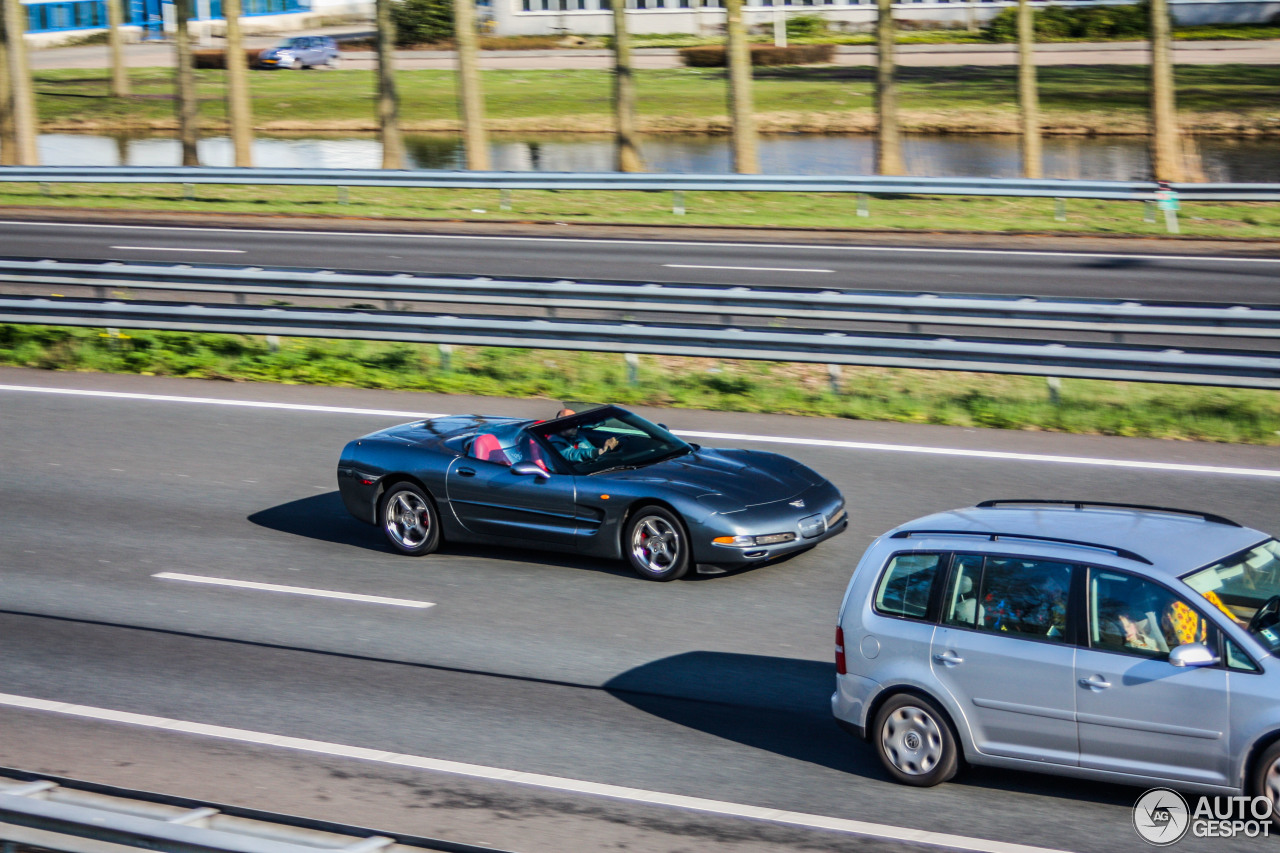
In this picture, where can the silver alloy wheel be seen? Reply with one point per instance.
(1271, 786)
(912, 739)
(408, 520)
(655, 544)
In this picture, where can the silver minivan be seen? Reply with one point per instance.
(1128, 643)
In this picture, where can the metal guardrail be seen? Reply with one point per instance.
(645, 182)
(1110, 317)
(79, 817)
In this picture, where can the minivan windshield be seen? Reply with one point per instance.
(1247, 588)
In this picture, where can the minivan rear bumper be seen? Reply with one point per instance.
(850, 702)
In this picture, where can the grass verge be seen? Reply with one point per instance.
(1237, 220)
(906, 396)
(1222, 99)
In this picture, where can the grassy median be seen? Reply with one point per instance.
(907, 396)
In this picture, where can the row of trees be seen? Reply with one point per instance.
(18, 117)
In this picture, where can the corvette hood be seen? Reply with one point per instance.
(737, 478)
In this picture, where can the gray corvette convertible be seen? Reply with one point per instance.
(603, 482)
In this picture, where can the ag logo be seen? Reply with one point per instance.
(1161, 817)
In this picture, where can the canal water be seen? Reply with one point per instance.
(1087, 158)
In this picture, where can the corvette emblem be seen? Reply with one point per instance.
(798, 504)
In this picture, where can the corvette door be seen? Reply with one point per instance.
(490, 499)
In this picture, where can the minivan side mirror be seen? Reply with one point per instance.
(530, 470)
(1192, 654)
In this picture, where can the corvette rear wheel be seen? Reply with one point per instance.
(657, 546)
(409, 520)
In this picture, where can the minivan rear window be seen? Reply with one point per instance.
(905, 585)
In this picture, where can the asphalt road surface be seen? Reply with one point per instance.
(706, 699)
(1105, 269)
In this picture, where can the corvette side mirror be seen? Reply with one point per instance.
(530, 470)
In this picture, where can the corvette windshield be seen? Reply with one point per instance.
(607, 439)
(1247, 588)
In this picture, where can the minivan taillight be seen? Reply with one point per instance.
(840, 666)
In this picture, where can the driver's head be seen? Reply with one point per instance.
(564, 413)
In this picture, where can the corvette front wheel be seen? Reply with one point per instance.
(409, 520)
(656, 545)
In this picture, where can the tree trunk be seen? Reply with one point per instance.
(624, 92)
(470, 95)
(239, 113)
(742, 115)
(1166, 156)
(8, 135)
(24, 104)
(388, 100)
(188, 106)
(888, 139)
(119, 75)
(1028, 96)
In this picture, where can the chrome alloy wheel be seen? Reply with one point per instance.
(1271, 785)
(912, 740)
(408, 520)
(655, 544)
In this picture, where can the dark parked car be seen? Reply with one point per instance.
(603, 482)
(301, 52)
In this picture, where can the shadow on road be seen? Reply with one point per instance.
(783, 705)
(321, 517)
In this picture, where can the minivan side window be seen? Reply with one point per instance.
(1135, 616)
(1010, 595)
(905, 585)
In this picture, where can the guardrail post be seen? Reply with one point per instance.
(1060, 210)
(677, 202)
(833, 377)
(863, 202)
(343, 197)
(504, 199)
(1055, 389)
(189, 192)
(273, 343)
(44, 188)
(633, 368)
(1171, 220)
(446, 357)
(1149, 212)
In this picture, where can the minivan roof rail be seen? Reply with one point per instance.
(1119, 552)
(1207, 516)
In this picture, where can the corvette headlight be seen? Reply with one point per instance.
(748, 541)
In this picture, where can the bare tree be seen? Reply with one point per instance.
(388, 100)
(23, 98)
(8, 133)
(888, 139)
(119, 75)
(1028, 96)
(470, 95)
(239, 113)
(1166, 156)
(185, 73)
(624, 92)
(742, 115)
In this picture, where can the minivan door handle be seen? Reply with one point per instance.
(948, 657)
(1096, 682)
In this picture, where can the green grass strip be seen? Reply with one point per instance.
(907, 396)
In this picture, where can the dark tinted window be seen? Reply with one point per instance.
(905, 585)
(1009, 595)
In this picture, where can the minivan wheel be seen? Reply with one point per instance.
(1266, 779)
(409, 520)
(914, 741)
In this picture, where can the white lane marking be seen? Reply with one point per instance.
(1181, 467)
(180, 249)
(749, 269)
(557, 783)
(294, 590)
(702, 243)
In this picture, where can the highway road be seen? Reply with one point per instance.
(1132, 269)
(502, 712)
